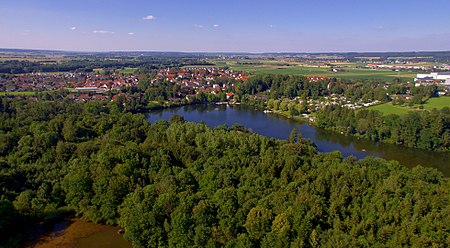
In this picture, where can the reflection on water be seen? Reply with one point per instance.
(108, 238)
(275, 126)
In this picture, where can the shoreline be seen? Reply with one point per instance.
(75, 232)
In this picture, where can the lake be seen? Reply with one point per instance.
(77, 233)
(279, 127)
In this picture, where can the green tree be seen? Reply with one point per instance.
(292, 136)
(258, 223)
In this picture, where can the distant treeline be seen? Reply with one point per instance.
(180, 184)
(439, 56)
(87, 65)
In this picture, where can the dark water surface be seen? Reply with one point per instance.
(275, 126)
(77, 233)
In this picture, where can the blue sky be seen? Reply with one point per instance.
(232, 26)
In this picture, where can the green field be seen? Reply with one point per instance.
(388, 108)
(437, 102)
(347, 70)
(127, 70)
(19, 93)
(24, 93)
(350, 73)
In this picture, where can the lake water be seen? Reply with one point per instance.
(77, 233)
(275, 126)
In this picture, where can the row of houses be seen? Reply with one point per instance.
(189, 81)
(81, 82)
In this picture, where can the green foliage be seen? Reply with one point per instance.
(180, 184)
(292, 136)
(258, 222)
(426, 129)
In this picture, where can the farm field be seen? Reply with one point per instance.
(18, 93)
(346, 70)
(126, 70)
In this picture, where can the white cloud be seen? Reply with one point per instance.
(131, 33)
(102, 32)
(149, 18)
(198, 26)
(73, 28)
(26, 32)
(216, 25)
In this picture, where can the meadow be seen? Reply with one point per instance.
(344, 70)
(18, 93)
(437, 102)
(434, 102)
(126, 70)
(388, 108)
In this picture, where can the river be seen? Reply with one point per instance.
(279, 127)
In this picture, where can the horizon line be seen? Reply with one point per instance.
(215, 52)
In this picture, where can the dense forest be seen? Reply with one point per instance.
(180, 184)
(420, 129)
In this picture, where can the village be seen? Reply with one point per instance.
(107, 86)
(186, 84)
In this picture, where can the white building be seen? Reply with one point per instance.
(439, 78)
(434, 75)
(447, 82)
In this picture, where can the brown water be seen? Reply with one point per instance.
(77, 233)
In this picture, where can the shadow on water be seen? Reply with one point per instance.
(279, 127)
(52, 229)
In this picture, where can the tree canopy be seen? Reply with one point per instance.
(181, 184)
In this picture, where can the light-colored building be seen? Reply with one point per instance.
(439, 78)
(90, 89)
(434, 75)
(447, 82)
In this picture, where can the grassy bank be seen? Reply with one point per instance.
(432, 103)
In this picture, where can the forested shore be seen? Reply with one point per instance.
(293, 96)
(183, 184)
(418, 129)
